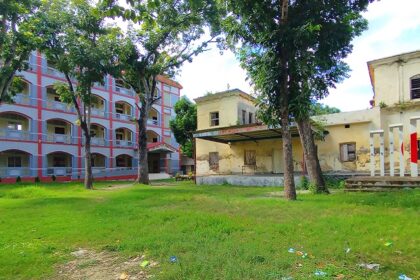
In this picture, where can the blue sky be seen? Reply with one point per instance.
(394, 28)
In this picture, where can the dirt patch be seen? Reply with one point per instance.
(116, 187)
(161, 184)
(91, 265)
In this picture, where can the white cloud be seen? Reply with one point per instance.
(389, 21)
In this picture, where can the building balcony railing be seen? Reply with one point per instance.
(124, 91)
(55, 105)
(123, 117)
(97, 141)
(97, 112)
(24, 99)
(15, 134)
(124, 143)
(53, 72)
(152, 122)
(59, 171)
(14, 171)
(59, 138)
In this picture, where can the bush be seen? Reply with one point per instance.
(53, 178)
(303, 183)
(37, 180)
(18, 179)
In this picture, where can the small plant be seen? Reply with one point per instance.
(303, 183)
(53, 178)
(18, 179)
(312, 188)
(37, 180)
(382, 105)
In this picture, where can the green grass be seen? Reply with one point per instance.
(216, 232)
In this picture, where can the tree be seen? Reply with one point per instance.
(165, 34)
(80, 46)
(184, 124)
(18, 37)
(318, 109)
(298, 48)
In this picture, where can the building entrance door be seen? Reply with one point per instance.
(277, 161)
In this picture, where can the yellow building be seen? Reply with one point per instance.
(229, 140)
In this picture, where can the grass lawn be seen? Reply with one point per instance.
(216, 232)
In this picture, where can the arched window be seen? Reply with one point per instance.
(415, 87)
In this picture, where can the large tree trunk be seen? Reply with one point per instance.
(88, 159)
(311, 157)
(143, 168)
(289, 182)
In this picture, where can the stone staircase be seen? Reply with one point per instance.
(375, 184)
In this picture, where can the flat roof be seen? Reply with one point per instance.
(239, 133)
(230, 92)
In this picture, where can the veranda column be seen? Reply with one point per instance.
(391, 148)
(381, 152)
(413, 147)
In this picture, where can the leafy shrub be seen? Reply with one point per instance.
(303, 183)
(18, 179)
(53, 178)
(37, 180)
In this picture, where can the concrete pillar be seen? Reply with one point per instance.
(381, 152)
(391, 150)
(413, 147)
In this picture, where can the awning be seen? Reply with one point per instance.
(160, 148)
(250, 132)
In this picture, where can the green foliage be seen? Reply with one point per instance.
(382, 105)
(184, 124)
(18, 37)
(53, 178)
(37, 180)
(247, 230)
(303, 183)
(18, 179)
(318, 109)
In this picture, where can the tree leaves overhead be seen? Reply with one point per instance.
(18, 37)
(184, 124)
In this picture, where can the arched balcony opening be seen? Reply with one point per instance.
(97, 106)
(58, 131)
(59, 164)
(124, 161)
(123, 88)
(123, 137)
(14, 126)
(123, 111)
(153, 117)
(98, 162)
(152, 137)
(53, 101)
(14, 163)
(24, 96)
(98, 134)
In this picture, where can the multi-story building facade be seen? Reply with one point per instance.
(39, 135)
(381, 140)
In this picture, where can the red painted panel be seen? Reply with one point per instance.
(413, 145)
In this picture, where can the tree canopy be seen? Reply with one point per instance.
(184, 124)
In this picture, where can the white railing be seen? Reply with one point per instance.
(15, 171)
(54, 72)
(125, 91)
(124, 143)
(15, 134)
(97, 112)
(153, 122)
(59, 171)
(59, 106)
(123, 117)
(22, 98)
(97, 141)
(59, 138)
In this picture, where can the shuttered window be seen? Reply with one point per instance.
(214, 161)
(415, 87)
(250, 157)
(214, 118)
(348, 152)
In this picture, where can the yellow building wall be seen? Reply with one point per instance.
(227, 106)
(392, 81)
(231, 157)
